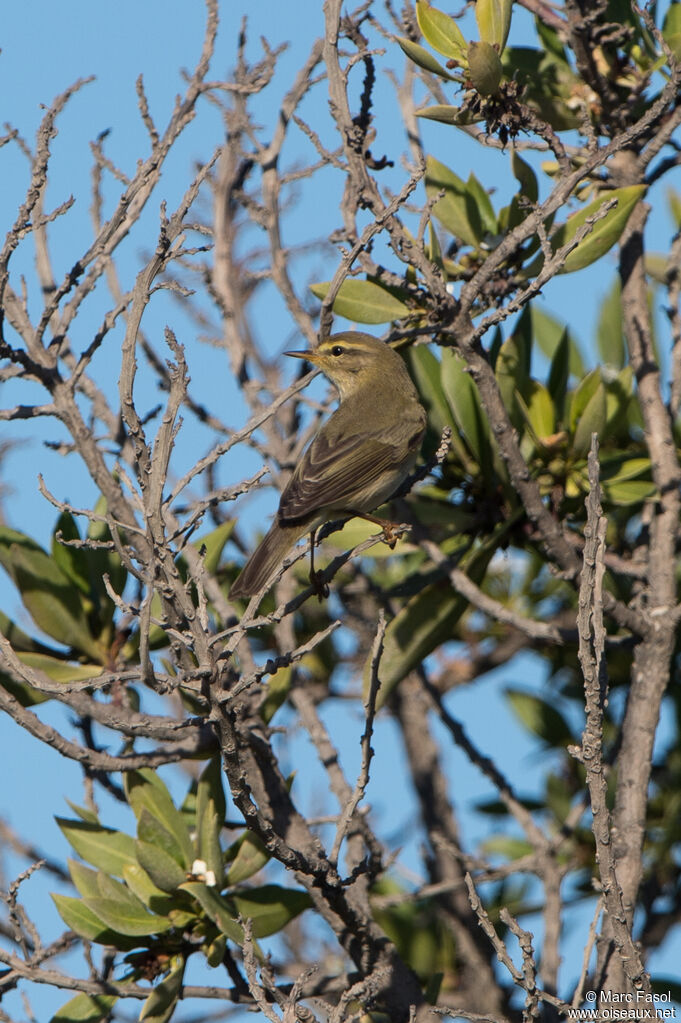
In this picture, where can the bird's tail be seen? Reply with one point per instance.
(266, 558)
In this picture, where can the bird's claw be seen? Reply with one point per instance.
(319, 586)
(391, 534)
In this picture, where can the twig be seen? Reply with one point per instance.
(588, 948)
(502, 952)
(531, 1009)
(251, 966)
(490, 770)
(497, 611)
(594, 670)
(367, 751)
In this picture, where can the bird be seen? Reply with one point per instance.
(357, 460)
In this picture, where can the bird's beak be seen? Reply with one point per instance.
(310, 355)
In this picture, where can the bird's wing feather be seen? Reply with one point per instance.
(333, 471)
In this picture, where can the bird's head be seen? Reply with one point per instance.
(353, 360)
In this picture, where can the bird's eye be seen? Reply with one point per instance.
(337, 350)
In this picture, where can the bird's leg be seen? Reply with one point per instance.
(389, 528)
(320, 587)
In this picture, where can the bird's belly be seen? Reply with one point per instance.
(378, 491)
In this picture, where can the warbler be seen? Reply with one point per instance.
(359, 457)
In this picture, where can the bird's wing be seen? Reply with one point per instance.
(335, 470)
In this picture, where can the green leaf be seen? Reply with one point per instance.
(523, 335)
(219, 911)
(609, 330)
(23, 693)
(270, 907)
(540, 411)
(494, 21)
(495, 346)
(85, 1009)
(432, 508)
(559, 373)
(151, 831)
(426, 621)
(457, 209)
(364, 301)
(79, 918)
(674, 43)
(419, 628)
(208, 842)
(667, 985)
(524, 174)
(512, 374)
(59, 670)
(83, 812)
(426, 370)
(441, 31)
(145, 791)
(213, 544)
(433, 248)
(71, 560)
(161, 867)
(424, 58)
(622, 467)
(141, 885)
(215, 953)
(604, 233)
(497, 807)
(548, 83)
(103, 561)
(356, 531)
(210, 816)
(123, 911)
(483, 204)
(629, 492)
(558, 797)
(618, 393)
(550, 40)
(160, 1005)
(657, 265)
(105, 848)
(210, 786)
(248, 855)
(592, 420)
(540, 717)
(528, 193)
(47, 594)
(21, 642)
(674, 198)
(278, 688)
(582, 396)
(448, 114)
(126, 920)
(485, 68)
(504, 845)
(464, 402)
(30, 654)
(671, 28)
(84, 879)
(442, 112)
(548, 333)
(618, 473)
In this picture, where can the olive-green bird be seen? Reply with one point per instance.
(359, 457)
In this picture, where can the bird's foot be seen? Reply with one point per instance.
(319, 586)
(392, 531)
